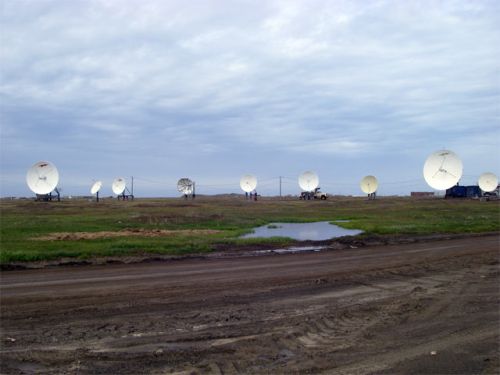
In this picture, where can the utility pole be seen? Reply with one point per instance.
(132, 192)
(280, 187)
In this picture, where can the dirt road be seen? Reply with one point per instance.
(418, 308)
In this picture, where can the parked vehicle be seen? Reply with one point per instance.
(316, 194)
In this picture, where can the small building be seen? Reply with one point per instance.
(457, 191)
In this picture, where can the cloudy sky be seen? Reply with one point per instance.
(212, 90)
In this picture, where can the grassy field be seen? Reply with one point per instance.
(24, 222)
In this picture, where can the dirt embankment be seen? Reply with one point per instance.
(223, 250)
(420, 308)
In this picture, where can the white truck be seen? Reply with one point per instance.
(316, 194)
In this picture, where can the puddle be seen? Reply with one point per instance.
(318, 231)
(293, 249)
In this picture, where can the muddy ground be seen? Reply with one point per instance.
(430, 307)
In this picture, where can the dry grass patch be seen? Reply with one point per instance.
(74, 236)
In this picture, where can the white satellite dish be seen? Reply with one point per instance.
(488, 182)
(369, 184)
(96, 187)
(442, 169)
(185, 186)
(42, 178)
(248, 183)
(118, 186)
(308, 181)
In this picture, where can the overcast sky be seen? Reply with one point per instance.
(212, 90)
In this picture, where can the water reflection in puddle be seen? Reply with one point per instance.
(318, 231)
(293, 249)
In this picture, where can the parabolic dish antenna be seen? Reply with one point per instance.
(96, 187)
(118, 186)
(369, 184)
(185, 186)
(488, 182)
(308, 181)
(442, 169)
(42, 177)
(248, 183)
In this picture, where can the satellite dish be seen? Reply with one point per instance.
(369, 184)
(95, 187)
(42, 177)
(248, 183)
(118, 186)
(308, 181)
(185, 186)
(442, 169)
(488, 182)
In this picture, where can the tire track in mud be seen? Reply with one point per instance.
(381, 318)
(385, 361)
(333, 333)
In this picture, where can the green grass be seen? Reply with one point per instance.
(22, 221)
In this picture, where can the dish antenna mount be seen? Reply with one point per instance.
(186, 187)
(119, 187)
(248, 184)
(488, 182)
(369, 185)
(308, 182)
(94, 190)
(442, 169)
(42, 179)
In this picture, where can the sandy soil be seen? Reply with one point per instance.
(421, 308)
